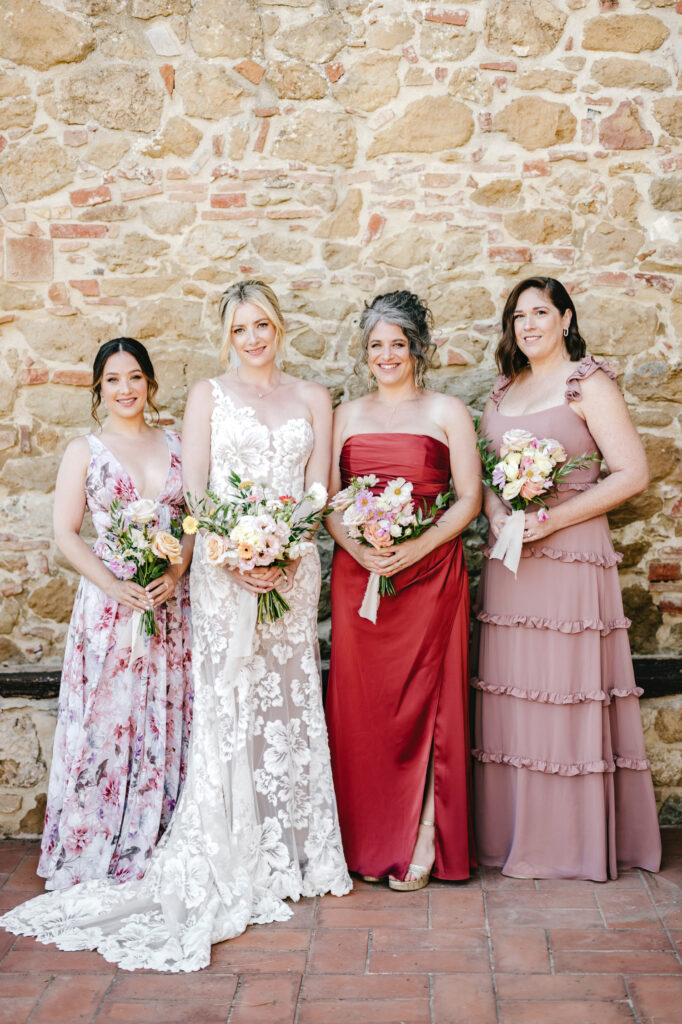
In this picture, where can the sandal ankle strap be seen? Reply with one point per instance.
(423, 821)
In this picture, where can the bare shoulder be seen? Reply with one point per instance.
(313, 394)
(76, 459)
(77, 451)
(599, 395)
(345, 411)
(201, 390)
(448, 407)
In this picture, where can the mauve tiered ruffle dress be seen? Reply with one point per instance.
(561, 779)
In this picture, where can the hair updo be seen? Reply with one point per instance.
(261, 295)
(412, 316)
(137, 350)
(508, 356)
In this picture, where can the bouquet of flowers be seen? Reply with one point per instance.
(526, 472)
(257, 527)
(380, 521)
(138, 549)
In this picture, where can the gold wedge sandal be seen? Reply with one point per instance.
(423, 874)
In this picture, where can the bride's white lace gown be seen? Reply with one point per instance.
(256, 822)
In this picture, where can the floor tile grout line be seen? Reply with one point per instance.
(234, 998)
(635, 1013)
(298, 994)
(313, 931)
(370, 937)
(550, 951)
(100, 1006)
(42, 996)
(595, 894)
(432, 1018)
(663, 923)
(491, 959)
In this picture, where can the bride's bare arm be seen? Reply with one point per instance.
(196, 439)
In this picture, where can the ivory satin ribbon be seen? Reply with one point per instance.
(510, 541)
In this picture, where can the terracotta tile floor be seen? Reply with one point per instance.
(493, 950)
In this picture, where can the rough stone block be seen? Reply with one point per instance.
(29, 259)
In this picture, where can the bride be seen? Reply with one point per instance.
(256, 822)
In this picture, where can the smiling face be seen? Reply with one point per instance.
(538, 325)
(253, 335)
(124, 386)
(388, 355)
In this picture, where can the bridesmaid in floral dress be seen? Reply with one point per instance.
(123, 723)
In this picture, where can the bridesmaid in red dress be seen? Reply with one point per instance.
(397, 699)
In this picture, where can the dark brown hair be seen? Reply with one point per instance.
(137, 350)
(508, 356)
(412, 316)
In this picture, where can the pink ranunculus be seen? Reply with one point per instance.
(377, 535)
(531, 488)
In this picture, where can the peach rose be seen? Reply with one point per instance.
(216, 549)
(531, 488)
(164, 545)
(378, 536)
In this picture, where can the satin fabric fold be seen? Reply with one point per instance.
(399, 686)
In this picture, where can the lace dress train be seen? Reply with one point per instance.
(256, 822)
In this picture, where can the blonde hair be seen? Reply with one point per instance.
(261, 295)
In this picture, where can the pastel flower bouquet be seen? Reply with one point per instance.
(380, 521)
(138, 549)
(526, 472)
(257, 527)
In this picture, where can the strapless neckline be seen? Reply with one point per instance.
(396, 434)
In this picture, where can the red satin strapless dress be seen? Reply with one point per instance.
(400, 685)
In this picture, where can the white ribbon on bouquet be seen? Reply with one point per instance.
(370, 602)
(510, 541)
(241, 641)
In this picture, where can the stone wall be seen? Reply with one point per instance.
(153, 151)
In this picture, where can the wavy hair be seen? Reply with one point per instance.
(412, 316)
(137, 350)
(261, 295)
(508, 356)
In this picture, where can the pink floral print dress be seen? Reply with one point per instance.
(122, 729)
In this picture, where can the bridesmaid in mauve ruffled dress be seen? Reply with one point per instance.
(562, 783)
(397, 702)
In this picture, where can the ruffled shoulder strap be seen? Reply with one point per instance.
(500, 389)
(585, 368)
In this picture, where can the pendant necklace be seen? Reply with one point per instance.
(261, 394)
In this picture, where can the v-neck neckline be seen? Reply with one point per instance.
(127, 472)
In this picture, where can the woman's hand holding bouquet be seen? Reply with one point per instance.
(382, 521)
(259, 533)
(526, 472)
(137, 550)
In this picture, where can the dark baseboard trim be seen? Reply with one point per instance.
(658, 677)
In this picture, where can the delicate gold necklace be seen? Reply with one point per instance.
(261, 394)
(396, 405)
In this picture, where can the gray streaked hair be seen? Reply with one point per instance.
(412, 316)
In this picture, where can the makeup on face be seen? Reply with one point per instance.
(124, 386)
(388, 354)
